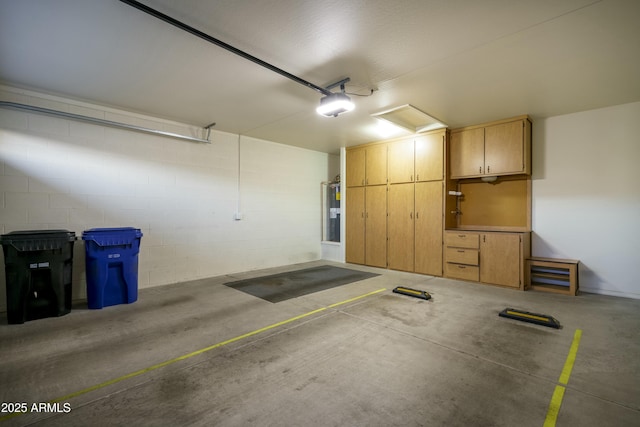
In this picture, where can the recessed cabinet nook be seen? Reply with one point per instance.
(453, 203)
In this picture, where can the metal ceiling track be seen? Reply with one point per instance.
(103, 122)
(210, 39)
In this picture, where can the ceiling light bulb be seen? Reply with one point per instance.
(334, 104)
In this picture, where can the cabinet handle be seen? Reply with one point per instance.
(362, 214)
(367, 181)
(367, 215)
(363, 182)
(488, 169)
(418, 177)
(411, 178)
(417, 215)
(461, 252)
(462, 266)
(480, 169)
(462, 236)
(411, 215)
(484, 238)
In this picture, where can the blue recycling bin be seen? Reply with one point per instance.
(112, 265)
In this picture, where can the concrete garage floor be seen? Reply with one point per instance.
(380, 360)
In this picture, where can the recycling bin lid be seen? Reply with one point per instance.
(38, 240)
(112, 236)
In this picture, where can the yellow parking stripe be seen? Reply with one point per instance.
(198, 352)
(558, 393)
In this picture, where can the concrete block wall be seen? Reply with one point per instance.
(63, 174)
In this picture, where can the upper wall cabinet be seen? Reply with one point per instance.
(401, 161)
(497, 148)
(416, 159)
(355, 167)
(367, 166)
(430, 156)
(376, 165)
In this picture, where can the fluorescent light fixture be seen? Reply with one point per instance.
(409, 117)
(334, 104)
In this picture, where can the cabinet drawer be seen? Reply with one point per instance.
(462, 256)
(462, 240)
(464, 272)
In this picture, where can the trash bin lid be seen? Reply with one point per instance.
(38, 240)
(112, 236)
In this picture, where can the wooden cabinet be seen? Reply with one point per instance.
(497, 148)
(428, 227)
(429, 156)
(462, 258)
(415, 227)
(401, 161)
(416, 159)
(467, 153)
(367, 166)
(355, 167)
(376, 164)
(376, 226)
(395, 218)
(504, 148)
(489, 257)
(501, 260)
(401, 227)
(355, 226)
(366, 222)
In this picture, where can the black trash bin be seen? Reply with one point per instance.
(38, 271)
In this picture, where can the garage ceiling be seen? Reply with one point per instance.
(462, 61)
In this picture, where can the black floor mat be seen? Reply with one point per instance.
(283, 286)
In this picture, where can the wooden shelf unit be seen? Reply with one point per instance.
(503, 205)
(553, 275)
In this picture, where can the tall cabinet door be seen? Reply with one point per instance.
(401, 226)
(429, 157)
(500, 257)
(467, 153)
(355, 223)
(376, 226)
(428, 227)
(401, 161)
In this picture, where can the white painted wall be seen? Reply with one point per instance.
(586, 195)
(63, 174)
